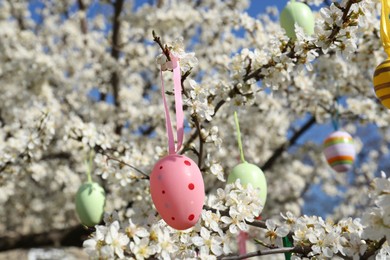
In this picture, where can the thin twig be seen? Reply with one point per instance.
(109, 157)
(188, 142)
(373, 250)
(201, 140)
(164, 49)
(297, 249)
(255, 223)
(278, 152)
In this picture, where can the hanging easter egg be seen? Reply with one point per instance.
(177, 190)
(176, 183)
(297, 13)
(339, 151)
(382, 82)
(247, 172)
(90, 200)
(250, 173)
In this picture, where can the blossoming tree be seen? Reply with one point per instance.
(82, 77)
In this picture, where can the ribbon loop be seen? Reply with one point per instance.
(385, 26)
(178, 107)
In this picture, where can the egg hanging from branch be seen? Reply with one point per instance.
(176, 182)
(297, 13)
(382, 82)
(248, 173)
(339, 151)
(177, 189)
(90, 200)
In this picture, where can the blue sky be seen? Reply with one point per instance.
(258, 7)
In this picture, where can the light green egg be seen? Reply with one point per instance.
(250, 173)
(300, 13)
(90, 200)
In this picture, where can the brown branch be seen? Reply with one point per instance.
(371, 251)
(159, 3)
(115, 53)
(278, 152)
(297, 249)
(218, 106)
(18, 17)
(99, 149)
(183, 78)
(118, 6)
(189, 141)
(121, 163)
(201, 140)
(164, 48)
(254, 223)
(83, 22)
(58, 155)
(346, 10)
(71, 236)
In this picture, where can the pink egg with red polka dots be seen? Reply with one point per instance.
(177, 189)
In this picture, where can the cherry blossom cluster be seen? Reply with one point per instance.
(214, 235)
(234, 210)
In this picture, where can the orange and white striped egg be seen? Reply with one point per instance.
(339, 151)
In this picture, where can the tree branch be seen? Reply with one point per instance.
(346, 10)
(18, 17)
(71, 236)
(297, 249)
(373, 250)
(83, 22)
(255, 223)
(189, 141)
(122, 163)
(115, 52)
(278, 152)
(201, 141)
(164, 48)
(59, 155)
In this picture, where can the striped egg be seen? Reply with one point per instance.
(339, 151)
(382, 82)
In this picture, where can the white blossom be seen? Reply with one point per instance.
(71, 87)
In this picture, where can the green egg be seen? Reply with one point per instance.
(90, 200)
(250, 173)
(300, 13)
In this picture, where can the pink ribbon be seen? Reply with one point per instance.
(242, 238)
(178, 107)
